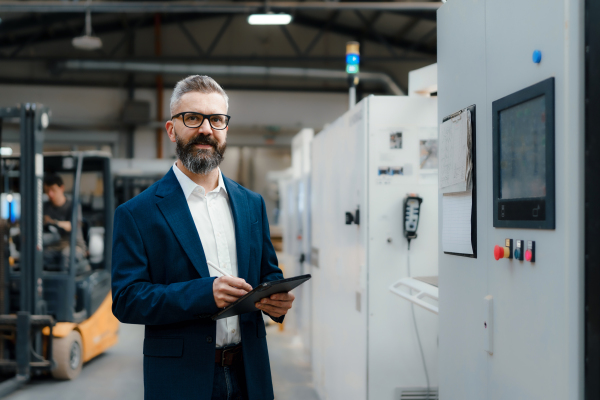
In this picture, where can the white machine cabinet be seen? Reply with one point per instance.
(295, 218)
(532, 347)
(364, 344)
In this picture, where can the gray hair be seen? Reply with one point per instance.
(196, 83)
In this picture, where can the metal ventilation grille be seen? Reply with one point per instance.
(418, 393)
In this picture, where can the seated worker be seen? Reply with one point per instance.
(57, 211)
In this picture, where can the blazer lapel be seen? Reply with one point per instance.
(241, 220)
(173, 205)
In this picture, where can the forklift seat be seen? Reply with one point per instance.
(57, 260)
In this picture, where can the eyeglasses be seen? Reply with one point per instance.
(195, 120)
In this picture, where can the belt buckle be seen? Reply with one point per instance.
(223, 357)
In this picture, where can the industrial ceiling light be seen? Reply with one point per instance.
(269, 19)
(87, 41)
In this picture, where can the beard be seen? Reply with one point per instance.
(200, 161)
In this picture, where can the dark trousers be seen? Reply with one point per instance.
(230, 382)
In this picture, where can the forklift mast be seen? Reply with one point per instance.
(29, 321)
(34, 119)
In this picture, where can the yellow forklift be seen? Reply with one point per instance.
(52, 320)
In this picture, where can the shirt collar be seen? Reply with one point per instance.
(188, 186)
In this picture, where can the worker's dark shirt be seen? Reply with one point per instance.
(63, 213)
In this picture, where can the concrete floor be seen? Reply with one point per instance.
(290, 366)
(117, 374)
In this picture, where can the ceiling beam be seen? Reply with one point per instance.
(369, 27)
(321, 31)
(8, 39)
(370, 35)
(191, 39)
(166, 7)
(233, 59)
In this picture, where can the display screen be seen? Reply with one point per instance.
(523, 150)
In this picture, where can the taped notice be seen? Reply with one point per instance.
(456, 223)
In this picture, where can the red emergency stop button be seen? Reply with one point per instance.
(504, 252)
(498, 252)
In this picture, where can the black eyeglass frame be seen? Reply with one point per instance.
(204, 116)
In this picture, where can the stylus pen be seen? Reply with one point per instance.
(218, 269)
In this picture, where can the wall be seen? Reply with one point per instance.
(93, 114)
(88, 118)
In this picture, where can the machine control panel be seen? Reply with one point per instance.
(523, 158)
(523, 250)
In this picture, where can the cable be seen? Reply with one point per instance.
(412, 308)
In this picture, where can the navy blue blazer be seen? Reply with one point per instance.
(160, 279)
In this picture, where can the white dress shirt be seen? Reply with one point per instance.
(214, 221)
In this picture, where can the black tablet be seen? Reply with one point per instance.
(246, 303)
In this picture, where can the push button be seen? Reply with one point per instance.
(498, 252)
(519, 250)
(504, 252)
(209, 339)
(530, 252)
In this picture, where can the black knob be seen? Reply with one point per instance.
(349, 218)
(209, 339)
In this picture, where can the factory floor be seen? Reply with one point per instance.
(117, 374)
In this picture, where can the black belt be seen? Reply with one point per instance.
(228, 356)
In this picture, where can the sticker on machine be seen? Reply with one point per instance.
(387, 175)
(428, 154)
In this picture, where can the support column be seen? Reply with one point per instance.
(159, 89)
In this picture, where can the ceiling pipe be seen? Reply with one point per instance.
(206, 6)
(226, 70)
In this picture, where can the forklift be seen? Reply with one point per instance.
(52, 320)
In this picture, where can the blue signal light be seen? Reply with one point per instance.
(352, 59)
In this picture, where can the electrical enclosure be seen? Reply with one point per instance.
(485, 53)
(364, 164)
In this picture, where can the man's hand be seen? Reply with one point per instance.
(66, 225)
(227, 290)
(277, 304)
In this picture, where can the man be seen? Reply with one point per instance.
(57, 211)
(163, 239)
